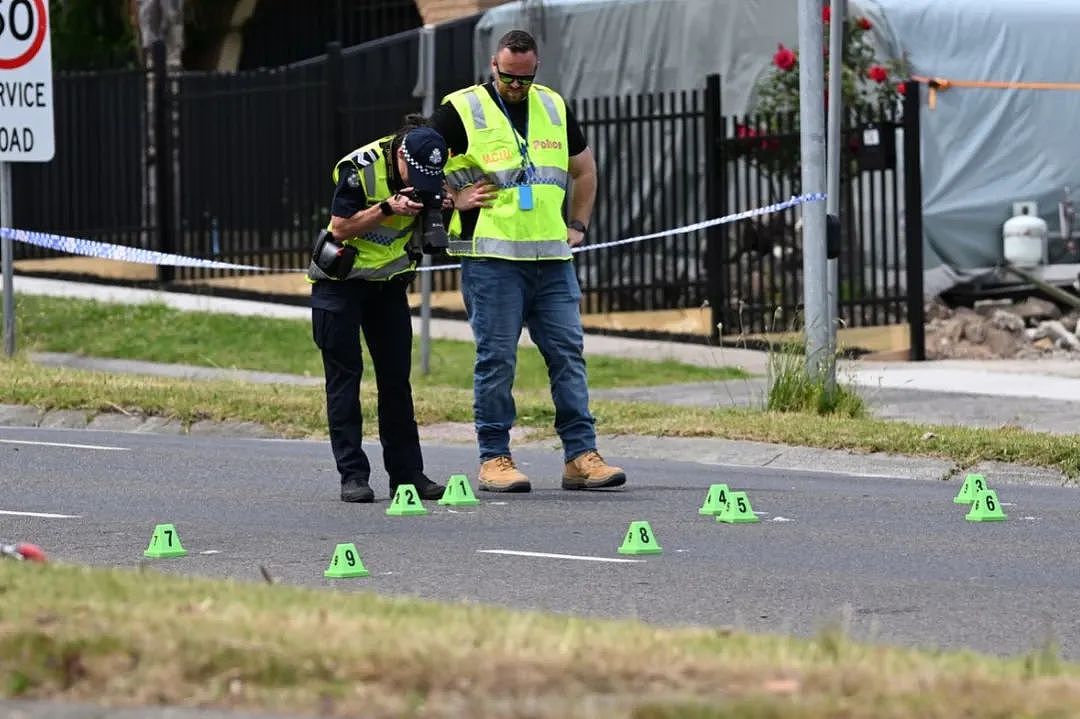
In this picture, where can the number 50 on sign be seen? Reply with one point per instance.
(26, 108)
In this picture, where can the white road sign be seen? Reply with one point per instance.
(26, 107)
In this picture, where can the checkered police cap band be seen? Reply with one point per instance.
(435, 158)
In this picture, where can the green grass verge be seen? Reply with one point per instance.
(157, 333)
(299, 412)
(125, 637)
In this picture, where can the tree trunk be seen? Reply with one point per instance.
(160, 20)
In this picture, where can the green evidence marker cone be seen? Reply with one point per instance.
(973, 484)
(346, 563)
(986, 508)
(165, 543)
(406, 502)
(738, 510)
(716, 500)
(640, 540)
(459, 493)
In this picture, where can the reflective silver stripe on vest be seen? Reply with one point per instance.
(548, 175)
(512, 249)
(506, 178)
(545, 175)
(399, 265)
(369, 180)
(477, 109)
(384, 235)
(464, 177)
(549, 104)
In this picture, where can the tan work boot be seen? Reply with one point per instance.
(590, 471)
(500, 475)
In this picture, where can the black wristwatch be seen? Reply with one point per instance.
(385, 208)
(579, 226)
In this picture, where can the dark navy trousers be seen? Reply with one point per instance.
(341, 312)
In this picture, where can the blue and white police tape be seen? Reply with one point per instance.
(793, 201)
(105, 250)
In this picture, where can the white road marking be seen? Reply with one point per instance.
(547, 555)
(45, 515)
(63, 444)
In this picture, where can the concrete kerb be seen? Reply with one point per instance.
(700, 450)
(706, 451)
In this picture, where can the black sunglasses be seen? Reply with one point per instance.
(508, 79)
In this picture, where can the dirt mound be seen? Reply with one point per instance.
(1001, 329)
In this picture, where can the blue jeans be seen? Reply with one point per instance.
(501, 297)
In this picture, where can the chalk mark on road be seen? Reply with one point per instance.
(547, 555)
(64, 444)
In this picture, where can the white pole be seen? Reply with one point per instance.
(812, 141)
(426, 87)
(6, 250)
(838, 12)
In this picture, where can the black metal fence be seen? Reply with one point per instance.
(95, 186)
(253, 179)
(651, 163)
(762, 260)
(279, 33)
(239, 172)
(256, 148)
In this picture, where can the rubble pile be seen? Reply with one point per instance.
(1001, 329)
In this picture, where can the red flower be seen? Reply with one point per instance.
(864, 23)
(742, 131)
(901, 88)
(877, 73)
(826, 13)
(784, 58)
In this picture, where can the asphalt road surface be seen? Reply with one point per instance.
(892, 559)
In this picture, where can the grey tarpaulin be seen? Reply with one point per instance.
(596, 48)
(983, 149)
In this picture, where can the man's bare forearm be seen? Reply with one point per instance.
(342, 228)
(583, 190)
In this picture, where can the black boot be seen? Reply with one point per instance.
(424, 486)
(355, 490)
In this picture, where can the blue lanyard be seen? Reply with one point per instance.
(523, 147)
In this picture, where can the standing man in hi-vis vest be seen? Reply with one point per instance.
(361, 269)
(514, 148)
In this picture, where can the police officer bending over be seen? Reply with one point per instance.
(388, 191)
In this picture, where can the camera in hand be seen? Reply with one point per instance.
(430, 237)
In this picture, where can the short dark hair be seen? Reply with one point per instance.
(517, 41)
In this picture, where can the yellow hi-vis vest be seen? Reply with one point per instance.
(380, 252)
(504, 230)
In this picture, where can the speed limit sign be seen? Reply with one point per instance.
(26, 108)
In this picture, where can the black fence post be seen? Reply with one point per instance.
(163, 158)
(913, 221)
(715, 189)
(333, 94)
